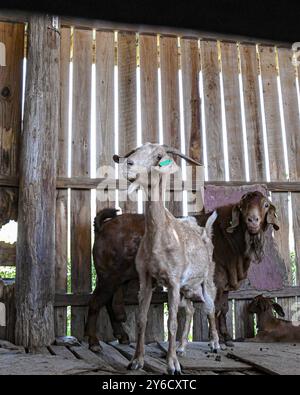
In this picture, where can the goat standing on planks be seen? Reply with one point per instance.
(270, 328)
(238, 239)
(176, 253)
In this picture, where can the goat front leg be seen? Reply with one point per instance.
(213, 333)
(189, 312)
(145, 296)
(173, 301)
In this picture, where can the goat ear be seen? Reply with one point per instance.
(235, 219)
(278, 309)
(272, 217)
(166, 166)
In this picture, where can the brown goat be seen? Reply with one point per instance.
(238, 239)
(270, 328)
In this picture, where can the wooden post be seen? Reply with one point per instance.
(35, 285)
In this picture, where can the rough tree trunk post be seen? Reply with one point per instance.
(35, 278)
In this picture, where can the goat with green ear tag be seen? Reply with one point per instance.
(177, 253)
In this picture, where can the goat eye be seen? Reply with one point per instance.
(267, 205)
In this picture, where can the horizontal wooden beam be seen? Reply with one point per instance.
(288, 292)
(18, 16)
(62, 300)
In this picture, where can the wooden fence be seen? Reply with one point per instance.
(237, 103)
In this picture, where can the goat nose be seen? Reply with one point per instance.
(130, 162)
(253, 219)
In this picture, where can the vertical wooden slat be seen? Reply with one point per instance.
(12, 36)
(127, 100)
(272, 113)
(149, 88)
(233, 113)
(81, 200)
(292, 125)
(287, 75)
(213, 114)
(105, 129)
(214, 139)
(190, 66)
(230, 72)
(288, 305)
(200, 326)
(296, 223)
(275, 146)
(169, 63)
(150, 133)
(61, 232)
(253, 116)
(244, 324)
(105, 137)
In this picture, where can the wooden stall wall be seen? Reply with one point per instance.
(12, 36)
(233, 106)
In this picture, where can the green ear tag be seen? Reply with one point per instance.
(165, 163)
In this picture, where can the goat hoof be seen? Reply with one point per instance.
(174, 372)
(174, 367)
(95, 348)
(180, 352)
(135, 365)
(215, 347)
(123, 339)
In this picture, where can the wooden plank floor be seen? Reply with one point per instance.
(242, 359)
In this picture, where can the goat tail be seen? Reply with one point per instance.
(103, 216)
(209, 224)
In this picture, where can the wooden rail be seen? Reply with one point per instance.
(85, 23)
(81, 300)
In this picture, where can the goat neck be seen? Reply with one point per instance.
(155, 209)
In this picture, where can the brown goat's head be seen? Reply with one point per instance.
(256, 211)
(260, 304)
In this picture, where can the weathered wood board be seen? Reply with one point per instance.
(149, 88)
(233, 111)
(127, 104)
(169, 65)
(151, 364)
(276, 359)
(105, 113)
(81, 200)
(253, 116)
(199, 357)
(213, 112)
(61, 225)
(12, 36)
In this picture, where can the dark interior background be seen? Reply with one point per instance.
(266, 19)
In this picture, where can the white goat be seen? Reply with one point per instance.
(176, 253)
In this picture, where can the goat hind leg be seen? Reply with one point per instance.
(145, 296)
(173, 302)
(101, 296)
(189, 312)
(116, 323)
